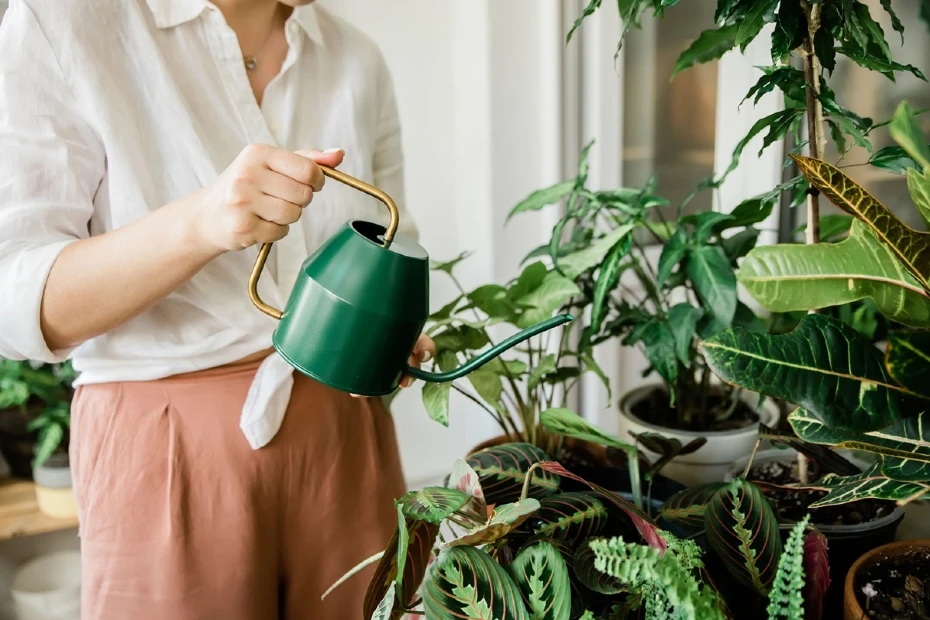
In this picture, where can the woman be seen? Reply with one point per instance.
(146, 147)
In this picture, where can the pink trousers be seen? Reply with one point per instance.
(181, 520)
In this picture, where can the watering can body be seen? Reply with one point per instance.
(358, 307)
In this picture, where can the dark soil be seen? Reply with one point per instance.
(656, 409)
(897, 588)
(792, 504)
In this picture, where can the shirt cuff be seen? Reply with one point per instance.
(23, 275)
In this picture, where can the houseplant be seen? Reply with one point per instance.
(52, 467)
(29, 390)
(869, 592)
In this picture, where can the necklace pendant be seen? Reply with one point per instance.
(251, 62)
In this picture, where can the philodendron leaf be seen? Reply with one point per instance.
(687, 507)
(714, 282)
(504, 520)
(793, 277)
(870, 484)
(543, 198)
(743, 530)
(904, 452)
(910, 246)
(540, 303)
(502, 470)
(908, 360)
(433, 504)
(824, 366)
(436, 395)
(542, 576)
(569, 424)
(465, 582)
(579, 262)
(570, 516)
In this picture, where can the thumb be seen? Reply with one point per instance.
(329, 157)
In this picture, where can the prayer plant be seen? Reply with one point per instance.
(850, 393)
(513, 534)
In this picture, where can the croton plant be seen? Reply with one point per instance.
(850, 393)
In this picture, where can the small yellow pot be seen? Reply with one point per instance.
(56, 503)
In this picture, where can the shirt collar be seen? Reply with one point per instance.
(171, 13)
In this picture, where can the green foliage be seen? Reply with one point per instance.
(786, 600)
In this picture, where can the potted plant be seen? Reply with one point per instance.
(28, 390)
(52, 468)
(888, 582)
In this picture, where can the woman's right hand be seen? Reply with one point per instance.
(259, 196)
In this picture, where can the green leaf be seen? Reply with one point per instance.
(751, 212)
(544, 300)
(503, 367)
(870, 484)
(592, 6)
(446, 311)
(786, 599)
(824, 366)
(567, 423)
(908, 360)
(906, 132)
(789, 30)
(667, 448)
(918, 185)
(541, 574)
(403, 545)
(683, 320)
(911, 247)
(892, 159)
(777, 123)
(543, 198)
(502, 469)
(743, 530)
(673, 252)
(886, 67)
(529, 280)
(895, 21)
(503, 521)
(465, 582)
(590, 364)
(436, 395)
(420, 536)
(49, 441)
(579, 262)
(687, 507)
(607, 279)
(868, 30)
(488, 385)
(659, 347)
(433, 504)
(710, 45)
(791, 277)
(447, 266)
(385, 607)
(740, 244)
(761, 13)
(784, 78)
(571, 517)
(706, 223)
(544, 366)
(714, 282)
(590, 577)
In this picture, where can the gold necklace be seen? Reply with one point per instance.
(251, 60)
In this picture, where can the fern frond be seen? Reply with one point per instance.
(670, 590)
(786, 600)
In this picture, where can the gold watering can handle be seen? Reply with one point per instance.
(352, 182)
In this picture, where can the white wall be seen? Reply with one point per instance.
(481, 125)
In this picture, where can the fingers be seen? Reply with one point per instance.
(423, 351)
(283, 187)
(329, 157)
(277, 211)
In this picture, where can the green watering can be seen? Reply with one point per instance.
(359, 305)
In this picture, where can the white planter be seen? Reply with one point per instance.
(49, 587)
(710, 462)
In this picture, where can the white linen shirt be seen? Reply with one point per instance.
(110, 109)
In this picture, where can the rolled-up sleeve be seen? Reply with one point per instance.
(389, 155)
(51, 165)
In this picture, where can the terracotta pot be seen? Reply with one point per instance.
(852, 610)
(710, 462)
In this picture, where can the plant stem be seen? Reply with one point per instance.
(497, 418)
(816, 137)
(635, 480)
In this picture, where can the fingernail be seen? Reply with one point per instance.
(343, 151)
(426, 356)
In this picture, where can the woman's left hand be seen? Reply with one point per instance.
(423, 352)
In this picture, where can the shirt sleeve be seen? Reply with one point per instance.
(51, 164)
(389, 156)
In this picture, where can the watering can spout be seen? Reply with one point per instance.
(479, 361)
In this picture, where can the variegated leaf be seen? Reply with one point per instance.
(504, 520)
(433, 504)
(465, 479)
(502, 469)
(687, 507)
(421, 536)
(824, 366)
(870, 484)
(908, 360)
(743, 530)
(465, 582)
(904, 446)
(644, 525)
(542, 576)
(911, 247)
(590, 577)
(385, 608)
(570, 516)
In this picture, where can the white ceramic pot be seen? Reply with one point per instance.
(710, 462)
(49, 587)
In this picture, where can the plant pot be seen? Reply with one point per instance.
(16, 441)
(852, 608)
(846, 542)
(710, 462)
(53, 488)
(591, 463)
